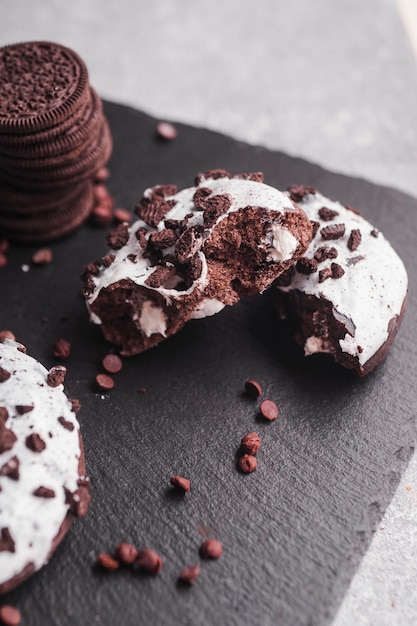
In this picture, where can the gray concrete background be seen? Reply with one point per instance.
(334, 81)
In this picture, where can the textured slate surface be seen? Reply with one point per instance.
(294, 531)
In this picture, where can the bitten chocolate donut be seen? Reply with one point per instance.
(347, 295)
(192, 253)
(42, 482)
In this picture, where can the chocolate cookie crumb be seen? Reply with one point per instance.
(354, 240)
(75, 405)
(42, 256)
(189, 575)
(253, 388)
(104, 382)
(61, 349)
(35, 443)
(65, 423)
(107, 561)
(44, 492)
(4, 375)
(112, 363)
(297, 192)
(375, 232)
(306, 266)
(325, 252)
(269, 410)
(324, 274)
(334, 231)
(56, 376)
(327, 214)
(337, 270)
(180, 483)
(211, 549)
(24, 408)
(10, 616)
(149, 561)
(118, 237)
(126, 553)
(250, 443)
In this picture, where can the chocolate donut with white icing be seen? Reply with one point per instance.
(190, 254)
(42, 482)
(347, 294)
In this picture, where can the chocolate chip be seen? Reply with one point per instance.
(24, 408)
(118, 237)
(211, 549)
(325, 252)
(61, 349)
(126, 553)
(102, 174)
(11, 469)
(306, 266)
(324, 274)
(162, 239)
(298, 192)
(104, 382)
(42, 256)
(122, 215)
(253, 388)
(112, 363)
(101, 214)
(7, 439)
(78, 501)
(66, 424)
(10, 616)
(56, 376)
(247, 463)
(333, 231)
(166, 131)
(180, 483)
(4, 375)
(35, 443)
(44, 492)
(354, 240)
(149, 561)
(215, 207)
(6, 334)
(337, 270)
(327, 214)
(6, 541)
(269, 410)
(250, 443)
(75, 405)
(189, 575)
(106, 561)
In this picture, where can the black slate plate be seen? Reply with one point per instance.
(294, 531)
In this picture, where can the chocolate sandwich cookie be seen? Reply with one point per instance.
(15, 202)
(42, 473)
(58, 172)
(190, 254)
(52, 224)
(54, 143)
(348, 293)
(42, 84)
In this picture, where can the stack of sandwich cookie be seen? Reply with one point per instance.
(53, 139)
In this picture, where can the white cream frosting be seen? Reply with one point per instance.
(280, 243)
(34, 521)
(372, 290)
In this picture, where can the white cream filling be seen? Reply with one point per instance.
(284, 244)
(152, 319)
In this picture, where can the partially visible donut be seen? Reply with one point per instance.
(192, 253)
(347, 294)
(42, 471)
